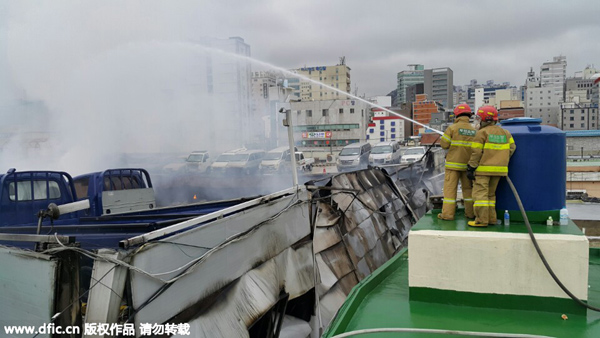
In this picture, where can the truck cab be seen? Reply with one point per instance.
(25, 193)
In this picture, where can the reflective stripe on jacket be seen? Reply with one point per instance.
(492, 148)
(457, 139)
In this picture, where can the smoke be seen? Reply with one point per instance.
(91, 85)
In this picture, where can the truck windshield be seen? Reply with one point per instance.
(414, 151)
(239, 158)
(350, 151)
(381, 150)
(272, 156)
(225, 158)
(195, 158)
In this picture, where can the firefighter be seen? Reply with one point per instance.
(457, 139)
(492, 148)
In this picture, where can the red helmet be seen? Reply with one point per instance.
(487, 113)
(462, 109)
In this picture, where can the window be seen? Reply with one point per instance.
(393, 130)
(325, 112)
(367, 137)
(372, 130)
(309, 113)
(381, 121)
(341, 110)
(582, 118)
(582, 125)
(571, 125)
(572, 111)
(382, 140)
(382, 127)
(382, 133)
(572, 118)
(393, 136)
(351, 110)
(393, 123)
(36, 190)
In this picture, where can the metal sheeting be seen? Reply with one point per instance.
(230, 259)
(256, 292)
(374, 219)
(28, 284)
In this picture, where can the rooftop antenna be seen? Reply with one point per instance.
(342, 61)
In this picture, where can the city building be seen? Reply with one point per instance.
(510, 108)
(323, 127)
(260, 104)
(385, 128)
(439, 86)
(228, 84)
(337, 76)
(544, 94)
(412, 76)
(579, 116)
(422, 111)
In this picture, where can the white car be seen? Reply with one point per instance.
(385, 153)
(413, 154)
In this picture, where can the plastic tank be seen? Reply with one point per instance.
(538, 169)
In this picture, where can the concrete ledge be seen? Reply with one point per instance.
(500, 263)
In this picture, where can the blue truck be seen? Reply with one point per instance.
(121, 205)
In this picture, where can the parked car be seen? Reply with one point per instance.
(354, 156)
(413, 154)
(385, 153)
(275, 160)
(196, 162)
(219, 166)
(245, 162)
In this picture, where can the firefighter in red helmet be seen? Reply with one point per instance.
(492, 148)
(457, 139)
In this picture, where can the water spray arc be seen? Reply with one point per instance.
(292, 74)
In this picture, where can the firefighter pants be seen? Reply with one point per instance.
(484, 194)
(451, 179)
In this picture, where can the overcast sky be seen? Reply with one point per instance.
(478, 39)
(122, 76)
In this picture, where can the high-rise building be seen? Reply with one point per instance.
(579, 116)
(439, 86)
(228, 82)
(337, 76)
(406, 78)
(545, 93)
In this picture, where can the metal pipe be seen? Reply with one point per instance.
(290, 130)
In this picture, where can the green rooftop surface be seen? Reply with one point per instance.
(382, 301)
(430, 222)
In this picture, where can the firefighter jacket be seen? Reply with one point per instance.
(492, 148)
(457, 139)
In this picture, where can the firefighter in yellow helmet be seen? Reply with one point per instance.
(492, 148)
(457, 139)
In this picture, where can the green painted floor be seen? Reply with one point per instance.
(382, 301)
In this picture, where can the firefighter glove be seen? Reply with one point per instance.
(470, 173)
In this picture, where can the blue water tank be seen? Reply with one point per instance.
(538, 169)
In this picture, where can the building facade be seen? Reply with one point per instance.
(439, 86)
(385, 128)
(423, 108)
(337, 76)
(579, 116)
(414, 75)
(545, 93)
(325, 127)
